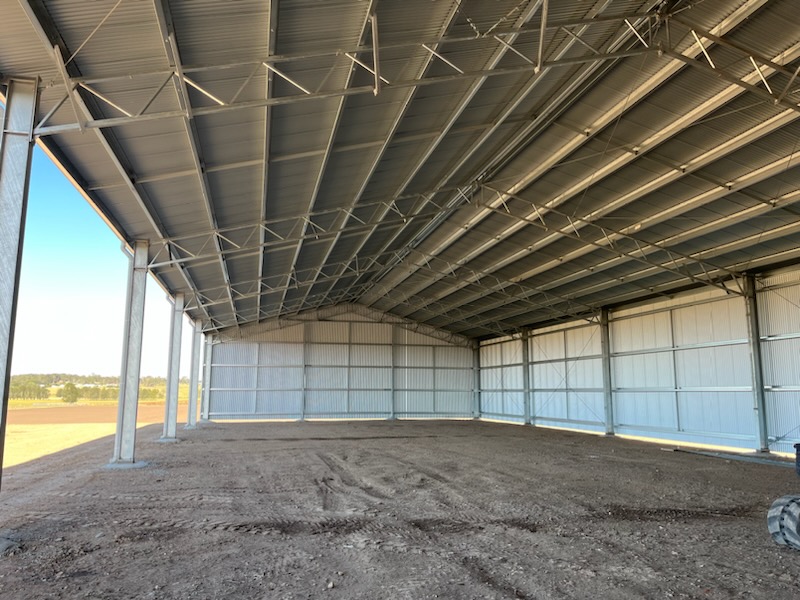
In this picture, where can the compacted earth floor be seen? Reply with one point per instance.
(403, 509)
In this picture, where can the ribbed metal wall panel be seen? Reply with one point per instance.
(550, 407)
(371, 333)
(781, 362)
(327, 332)
(283, 405)
(232, 403)
(503, 393)
(549, 376)
(566, 376)
(549, 346)
(644, 371)
(453, 357)
(370, 356)
(280, 355)
(284, 378)
(327, 354)
(236, 353)
(778, 300)
(453, 379)
(326, 378)
(583, 341)
(491, 356)
(371, 404)
(643, 332)
(293, 333)
(342, 370)
(655, 411)
(413, 379)
(325, 403)
(371, 378)
(413, 356)
(681, 370)
(411, 404)
(714, 367)
(783, 419)
(454, 403)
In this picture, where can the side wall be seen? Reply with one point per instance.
(344, 368)
(680, 369)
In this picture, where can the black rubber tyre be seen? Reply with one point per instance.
(777, 520)
(791, 524)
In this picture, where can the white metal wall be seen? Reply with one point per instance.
(503, 392)
(567, 377)
(681, 370)
(779, 322)
(343, 368)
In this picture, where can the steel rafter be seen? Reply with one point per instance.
(103, 123)
(272, 38)
(164, 17)
(367, 26)
(676, 172)
(694, 233)
(405, 103)
(543, 117)
(107, 140)
(467, 97)
(636, 95)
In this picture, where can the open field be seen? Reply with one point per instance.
(392, 510)
(35, 432)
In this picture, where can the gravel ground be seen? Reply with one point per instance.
(392, 510)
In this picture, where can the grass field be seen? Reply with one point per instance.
(34, 431)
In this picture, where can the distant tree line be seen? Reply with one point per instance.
(72, 388)
(27, 391)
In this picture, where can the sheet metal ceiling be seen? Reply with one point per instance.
(509, 163)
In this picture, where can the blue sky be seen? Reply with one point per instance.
(72, 289)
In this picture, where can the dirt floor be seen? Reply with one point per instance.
(379, 510)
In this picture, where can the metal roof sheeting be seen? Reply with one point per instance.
(473, 191)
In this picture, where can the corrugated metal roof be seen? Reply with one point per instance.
(472, 192)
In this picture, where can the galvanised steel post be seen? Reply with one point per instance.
(526, 375)
(194, 378)
(174, 371)
(125, 438)
(16, 147)
(207, 351)
(756, 364)
(476, 379)
(608, 393)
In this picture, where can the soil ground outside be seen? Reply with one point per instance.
(392, 510)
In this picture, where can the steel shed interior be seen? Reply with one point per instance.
(584, 213)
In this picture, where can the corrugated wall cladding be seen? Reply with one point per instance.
(340, 369)
(779, 323)
(503, 389)
(681, 370)
(566, 377)
(678, 369)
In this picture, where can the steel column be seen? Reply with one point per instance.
(207, 355)
(131, 356)
(526, 376)
(197, 342)
(756, 364)
(476, 374)
(173, 373)
(16, 148)
(392, 410)
(605, 349)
